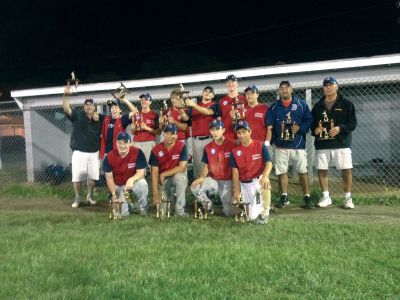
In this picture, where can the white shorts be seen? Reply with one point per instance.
(286, 157)
(85, 164)
(251, 193)
(341, 158)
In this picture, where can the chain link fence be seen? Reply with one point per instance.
(375, 147)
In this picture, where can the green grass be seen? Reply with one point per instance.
(53, 255)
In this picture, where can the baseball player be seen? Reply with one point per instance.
(145, 126)
(168, 161)
(200, 118)
(124, 170)
(251, 167)
(336, 147)
(290, 152)
(216, 175)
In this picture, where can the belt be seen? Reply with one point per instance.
(202, 138)
(249, 180)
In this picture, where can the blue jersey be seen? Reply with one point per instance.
(299, 113)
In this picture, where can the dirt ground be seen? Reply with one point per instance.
(362, 213)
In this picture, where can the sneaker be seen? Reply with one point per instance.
(325, 201)
(308, 203)
(89, 200)
(348, 203)
(182, 215)
(143, 212)
(283, 202)
(262, 219)
(77, 202)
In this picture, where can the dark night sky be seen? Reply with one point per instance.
(42, 42)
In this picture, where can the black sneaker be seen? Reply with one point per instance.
(283, 202)
(308, 204)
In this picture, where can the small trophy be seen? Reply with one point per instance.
(137, 121)
(326, 125)
(287, 133)
(115, 208)
(163, 209)
(164, 113)
(72, 83)
(239, 112)
(183, 95)
(120, 92)
(241, 210)
(198, 207)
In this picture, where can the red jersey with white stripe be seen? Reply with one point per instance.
(167, 158)
(225, 106)
(249, 160)
(182, 134)
(255, 116)
(200, 122)
(217, 157)
(150, 119)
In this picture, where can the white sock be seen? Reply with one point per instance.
(325, 194)
(347, 195)
(306, 195)
(284, 194)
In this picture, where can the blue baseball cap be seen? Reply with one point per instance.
(216, 123)
(242, 124)
(146, 95)
(91, 101)
(171, 128)
(252, 88)
(285, 82)
(231, 77)
(123, 136)
(329, 80)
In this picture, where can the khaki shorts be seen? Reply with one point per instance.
(341, 158)
(286, 157)
(85, 164)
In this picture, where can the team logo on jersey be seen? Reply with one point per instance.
(161, 154)
(213, 151)
(175, 156)
(225, 102)
(294, 106)
(131, 165)
(239, 153)
(258, 115)
(227, 154)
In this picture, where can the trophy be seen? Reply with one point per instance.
(163, 208)
(138, 118)
(120, 92)
(115, 208)
(183, 95)
(164, 113)
(241, 210)
(325, 125)
(238, 110)
(286, 129)
(198, 209)
(72, 83)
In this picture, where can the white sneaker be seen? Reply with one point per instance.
(348, 203)
(77, 202)
(90, 200)
(324, 202)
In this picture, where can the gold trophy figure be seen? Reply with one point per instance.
(165, 113)
(115, 208)
(287, 133)
(242, 210)
(183, 95)
(239, 112)
(198, 209)
(72, 83)
(120, 92)
(325, 125)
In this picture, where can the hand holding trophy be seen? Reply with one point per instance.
(183, 96)
(288, 129)
(72, 84)
(324, 127)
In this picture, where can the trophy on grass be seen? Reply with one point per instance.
(198, 207)
(287, 133)
(241, 210)
(238, 110)
(72, 83)
(163, 209)
(183, 95)
(120, 92)
(325, 125)
(115, 208)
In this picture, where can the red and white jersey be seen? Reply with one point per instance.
(225, 107)
(167, 159)
(182, 134)
(200, 122)
(255, 116)
(150, 119)
(250, 160)
(217, 157)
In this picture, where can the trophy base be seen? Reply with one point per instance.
(288, 140)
